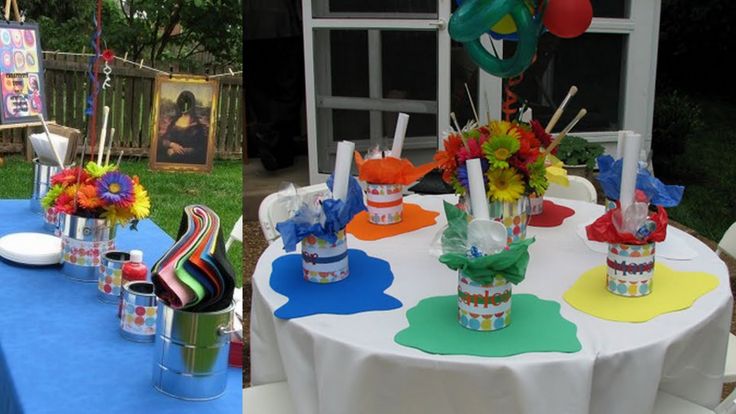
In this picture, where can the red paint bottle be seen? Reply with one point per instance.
(133, 270)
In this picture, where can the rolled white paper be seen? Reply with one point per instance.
(632, 147)
(399, 135)
(478, 201)
(620, 143)
(343, 163)
(103, 134)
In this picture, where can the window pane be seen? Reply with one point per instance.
(409, 64)
(610, 8)
(592, 62)
(364, 78)
(349, 63)
(463, 70)
(397, 9)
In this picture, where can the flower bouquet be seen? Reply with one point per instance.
(514, 163)
(91, 202)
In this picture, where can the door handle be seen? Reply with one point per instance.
(439, 24)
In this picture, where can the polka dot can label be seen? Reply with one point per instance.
(536, 205)
(630, 269)
(325, 262)
(138, 316)
(385, 203)
(483, 307)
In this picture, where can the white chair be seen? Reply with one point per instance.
(235, 234)
(270, 212)
(268, 399)
(728, 242)
(579, 189)
(670, 404)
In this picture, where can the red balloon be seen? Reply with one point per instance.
(568, 18)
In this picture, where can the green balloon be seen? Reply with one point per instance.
(475, 17)
(467, 24)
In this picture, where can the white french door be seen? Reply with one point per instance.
(366, 61)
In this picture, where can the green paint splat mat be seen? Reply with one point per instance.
(536, 326)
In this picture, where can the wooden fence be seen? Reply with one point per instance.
(130, 99)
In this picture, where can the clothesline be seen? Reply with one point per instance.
(140, 64)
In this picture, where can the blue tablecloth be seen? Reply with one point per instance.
(60, 350)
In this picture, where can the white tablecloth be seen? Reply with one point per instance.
(350, 364)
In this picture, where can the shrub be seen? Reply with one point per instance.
(578, 151)
(676, 118)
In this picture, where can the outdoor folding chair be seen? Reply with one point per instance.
(271, 212)
(236, 234)
(268, 399)
(579, 189)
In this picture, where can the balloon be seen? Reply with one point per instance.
(568, 18)
(472, 19)
(506, 28)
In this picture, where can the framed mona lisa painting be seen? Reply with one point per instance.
(184, 117)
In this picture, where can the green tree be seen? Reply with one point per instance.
(159, 31)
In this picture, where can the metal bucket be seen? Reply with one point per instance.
(191, 353)
(42, 174)
(138, 319)
(110, 276)
(83, 242)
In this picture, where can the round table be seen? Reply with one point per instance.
(339, 364)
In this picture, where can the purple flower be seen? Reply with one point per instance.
(116, 188)
(462, 173)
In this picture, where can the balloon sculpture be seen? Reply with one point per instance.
(519, 20)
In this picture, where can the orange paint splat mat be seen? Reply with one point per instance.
(414, 218)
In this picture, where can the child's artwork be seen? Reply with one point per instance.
(21, 73)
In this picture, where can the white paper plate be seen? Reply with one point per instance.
(673, 247)
(36, 249)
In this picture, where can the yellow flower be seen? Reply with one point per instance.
(141, 207)
(503, 128)
(505, 184)
(117, 215)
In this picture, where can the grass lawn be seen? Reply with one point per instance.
(170, 192)
(708, 172)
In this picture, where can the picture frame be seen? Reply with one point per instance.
(184, 123)
(22, 89)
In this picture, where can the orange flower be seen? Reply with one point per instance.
(447, 159)
(88, 198)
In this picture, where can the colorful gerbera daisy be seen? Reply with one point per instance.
(505, 184)
(141, 207)
(500, 148)
(116, 188)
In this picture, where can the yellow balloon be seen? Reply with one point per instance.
(505, 26)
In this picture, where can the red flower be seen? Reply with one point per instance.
(108, 55)
(544, 138)
(65, 204)
(69, 176)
